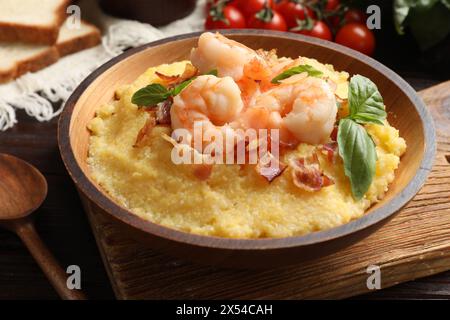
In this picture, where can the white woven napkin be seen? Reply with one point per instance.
(38, 93)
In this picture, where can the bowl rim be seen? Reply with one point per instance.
(104, 202)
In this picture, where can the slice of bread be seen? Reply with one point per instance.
(73, 40)
(17, 59)
(32, 21)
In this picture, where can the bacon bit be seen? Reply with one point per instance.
(307, 175)
(144, 133)
(189, 72)
(203, 171)
(167, 78)
(163, 112)
(334, 133)
(270, 167)
(330, 150)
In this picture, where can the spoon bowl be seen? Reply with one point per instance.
(23, 189)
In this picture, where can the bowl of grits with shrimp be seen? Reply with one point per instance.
(239, 147)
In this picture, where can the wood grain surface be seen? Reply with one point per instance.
(414, 244)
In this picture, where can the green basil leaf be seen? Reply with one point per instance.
(313, 72)
(365, 101)
(151, 95)
(358, 152)
(177, 90)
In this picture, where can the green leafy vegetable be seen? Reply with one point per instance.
(156, 93)
(177, 90)
(365, 101)
(297, 70)
(358, 151)
(356, 146)
(151, 95)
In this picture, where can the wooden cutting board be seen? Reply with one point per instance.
(414, 244)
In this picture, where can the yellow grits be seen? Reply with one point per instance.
(233, 202)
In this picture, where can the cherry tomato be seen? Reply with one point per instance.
(319, 30)
(271, 20)
(358, 37)
(227, 17)
(251, 7)
(355, 15)
(332, 5)
(210, 3)
(292, 10)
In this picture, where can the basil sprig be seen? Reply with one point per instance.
(313, 72)
(151, 95)
(356, 147)
(358, 152)
(366, 103)
(155, 93)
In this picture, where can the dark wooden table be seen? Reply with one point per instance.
(65, 229)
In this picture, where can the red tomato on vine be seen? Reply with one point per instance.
(293, 10)
(224, 17)
(268, 19)
(251, 7)
(358, 37)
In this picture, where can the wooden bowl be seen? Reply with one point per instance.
(406, 112)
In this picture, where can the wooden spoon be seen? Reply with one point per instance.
(22, 190)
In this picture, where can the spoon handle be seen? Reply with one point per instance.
(26, 231)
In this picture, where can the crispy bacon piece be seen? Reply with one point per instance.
(203, 171)
(189, 72)
(144, 133)
(163, 112)
(330, 150)
(270, 167)
(167, 78)
(334, 133)
(307, 175)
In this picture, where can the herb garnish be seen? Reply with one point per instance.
(155, 93)
(366, 103)
(151, 95)
(312, 72)
(356, 147)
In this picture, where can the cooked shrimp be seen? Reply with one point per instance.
(210, 101)
(252, 70)
(305, 110)
(215, 51)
